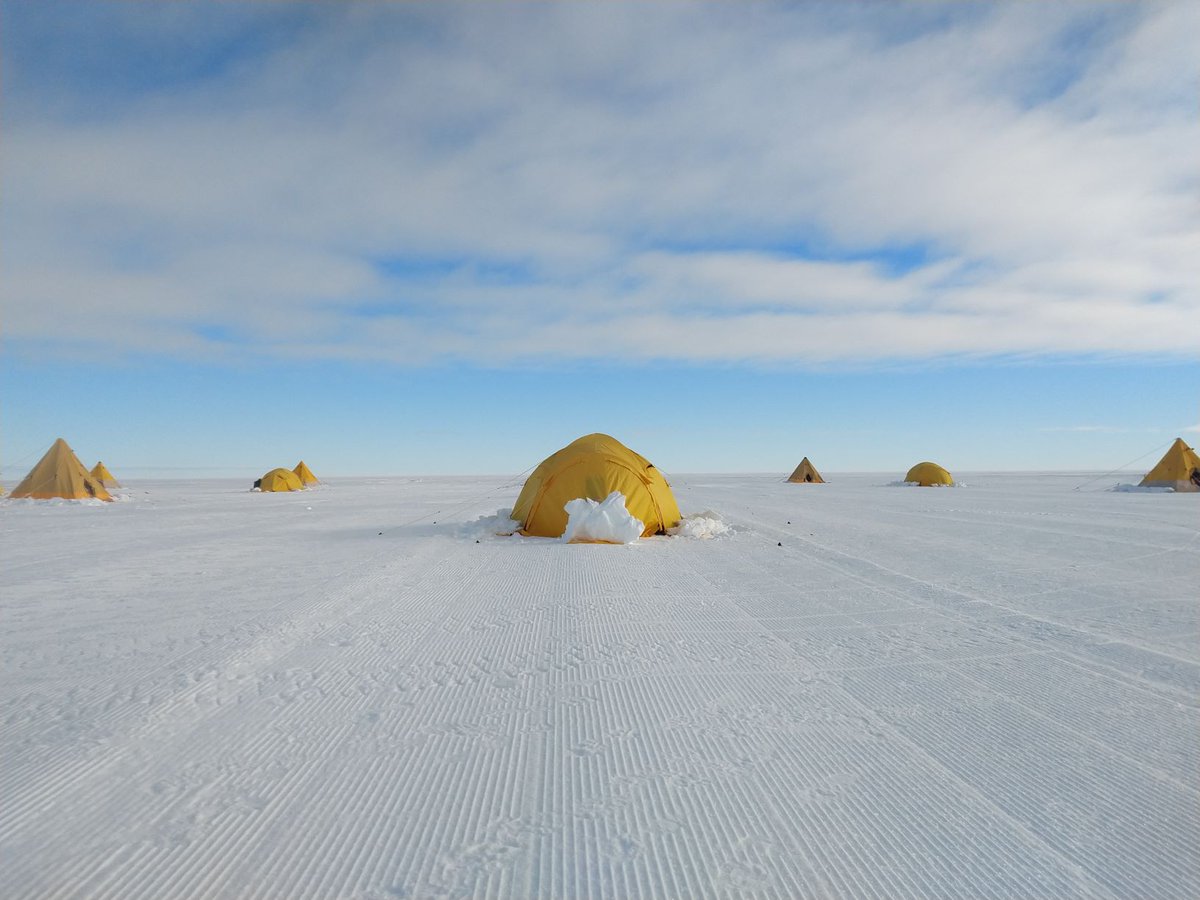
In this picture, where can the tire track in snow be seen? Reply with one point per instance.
(180, 718)
(286, 869)
(673, 762)
(1129, 819)
(987, 806)
(1179, 675)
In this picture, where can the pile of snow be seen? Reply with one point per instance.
(701, 525)
(1138, 489)
(502, 523)
(607, 521)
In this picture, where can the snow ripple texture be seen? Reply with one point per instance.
(351, 693)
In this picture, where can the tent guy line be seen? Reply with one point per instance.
(1125, 466)
(511, 482)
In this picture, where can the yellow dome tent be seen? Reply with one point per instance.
(60, 474)
(304, 473)
(593, 467)
(806, 473)
(927, 474)
(1179, 469)
(279, 480)
(101, 474)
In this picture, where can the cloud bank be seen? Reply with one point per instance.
(712, 183)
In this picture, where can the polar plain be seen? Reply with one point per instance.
(361, 691)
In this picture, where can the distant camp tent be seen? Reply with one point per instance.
(593, 467)
(304, 473)
(101, 474)
(60, 474)
(1179, 469)
(806, 473)
(927, 474)
(279, 480)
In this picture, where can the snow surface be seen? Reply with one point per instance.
(362, 693)
(606, 521)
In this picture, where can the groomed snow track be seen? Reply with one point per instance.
(862, 692)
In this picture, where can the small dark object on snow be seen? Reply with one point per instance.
(381, 532)
(477, 542)
(780, 544)
(789, 521)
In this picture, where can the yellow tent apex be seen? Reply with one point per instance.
(101, 474)
(806, 473)
(594, 466)
(59, 473)
(304, 473)
(927, 474)
(1179, 469)
(279, 480)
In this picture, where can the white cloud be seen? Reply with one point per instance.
(667, 182)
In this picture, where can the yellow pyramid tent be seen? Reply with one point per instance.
(304, 473)
(927, 474)
(60, 474)
(101, 474)
(593, 467)
(279, 480)
(806, 473)
(1179, 469)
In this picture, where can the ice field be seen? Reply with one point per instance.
(862, 691)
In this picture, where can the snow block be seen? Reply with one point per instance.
(606, 522)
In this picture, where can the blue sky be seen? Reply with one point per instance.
(426, 238)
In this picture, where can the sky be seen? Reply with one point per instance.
(410, 238)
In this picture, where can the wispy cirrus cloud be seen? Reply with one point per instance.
(552, 182)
